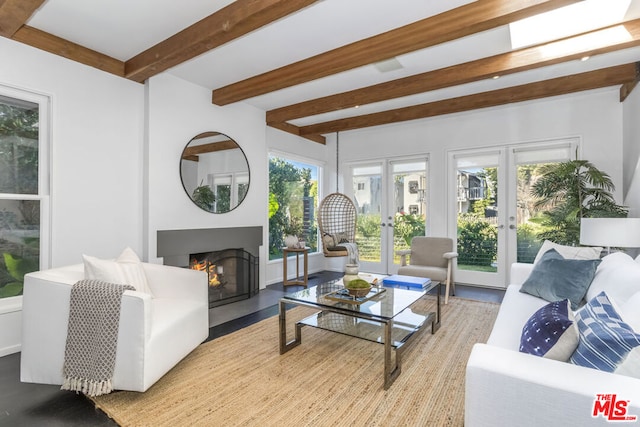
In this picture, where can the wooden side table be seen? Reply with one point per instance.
(298, 281)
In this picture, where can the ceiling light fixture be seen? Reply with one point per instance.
(584, 58)
(388, 65)
(495, 77)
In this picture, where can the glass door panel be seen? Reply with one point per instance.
(477, 216)
(368, 198)
(409, 209)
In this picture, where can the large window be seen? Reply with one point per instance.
(23, 187)
(293, 197)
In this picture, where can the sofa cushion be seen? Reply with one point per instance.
(618, 275)
(569, 252)
(606, 342)
(554, 278)
(550, 332)
(126, 269)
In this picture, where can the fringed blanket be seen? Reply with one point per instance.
(92, 336)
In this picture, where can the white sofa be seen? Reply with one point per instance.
(155, 332)
(506, 387)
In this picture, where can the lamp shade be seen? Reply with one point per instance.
(610, 232)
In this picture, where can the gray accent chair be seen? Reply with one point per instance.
(431, 257)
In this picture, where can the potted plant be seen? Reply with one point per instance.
(570, 191)
(292, 232)
(203, 196)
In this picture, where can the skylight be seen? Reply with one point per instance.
(567, 21)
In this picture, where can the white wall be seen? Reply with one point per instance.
(96, 154)
(631, 164)
(594, 116)
(178, 111)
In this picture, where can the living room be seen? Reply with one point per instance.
(115, 146)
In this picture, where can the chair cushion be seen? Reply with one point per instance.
(127, 269)
(433, 273)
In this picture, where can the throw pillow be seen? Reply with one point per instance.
(554, 278)
(126, 270)
(618, 275)
(550, 332)
(606, 342)
(569, 252)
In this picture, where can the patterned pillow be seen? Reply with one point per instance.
(606, 342)
(550, 332)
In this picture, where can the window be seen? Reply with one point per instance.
(293, 198)
(23, 187)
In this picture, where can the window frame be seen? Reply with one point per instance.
(44, 102)
(301, 159)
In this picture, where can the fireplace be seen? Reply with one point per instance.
(231, 274)
(232, 253)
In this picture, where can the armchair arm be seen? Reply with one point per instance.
(450, 255)
(175, 282)
(403, 256)
(505, 387)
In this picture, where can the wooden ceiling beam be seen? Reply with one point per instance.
(75, 52)
(559, 86)
(627, 88)
(498, 65)
(14, 14)
(463, 21)
(229, 23)
(295, 130)
(209, 148)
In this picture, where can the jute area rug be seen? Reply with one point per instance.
(329, 380)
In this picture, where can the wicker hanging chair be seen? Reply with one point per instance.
(337, 222)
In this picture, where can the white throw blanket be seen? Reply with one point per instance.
(352, 250)
(92, 336)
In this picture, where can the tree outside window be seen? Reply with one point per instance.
(19, 194)
(293, 197)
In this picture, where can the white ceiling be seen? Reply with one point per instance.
(124, 28)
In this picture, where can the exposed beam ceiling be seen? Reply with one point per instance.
(454, 24)
(498, 65)
(14, 13)
(559, 86)
(234, 21)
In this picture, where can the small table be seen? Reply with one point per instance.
(298, 281)
(386, 318)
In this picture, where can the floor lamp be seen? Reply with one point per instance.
(610, 232)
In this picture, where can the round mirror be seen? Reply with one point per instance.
(214, 172)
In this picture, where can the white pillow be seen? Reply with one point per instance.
(630, 311)
(569, 252)
(618, 275)
(126, 269)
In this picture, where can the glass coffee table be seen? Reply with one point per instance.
(384, 316)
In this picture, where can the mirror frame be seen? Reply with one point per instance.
(191, 153)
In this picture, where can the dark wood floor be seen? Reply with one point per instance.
(35, 405)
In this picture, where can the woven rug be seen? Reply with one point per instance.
(329, 380)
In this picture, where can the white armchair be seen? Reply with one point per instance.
(155, 332)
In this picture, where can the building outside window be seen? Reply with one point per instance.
(293, 200)
(23, 188)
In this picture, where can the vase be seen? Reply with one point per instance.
(350, 273)
(291, 241)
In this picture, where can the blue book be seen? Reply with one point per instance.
(397, 280)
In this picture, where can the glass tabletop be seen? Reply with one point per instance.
(384, 305)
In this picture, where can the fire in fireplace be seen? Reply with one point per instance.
(231, 274)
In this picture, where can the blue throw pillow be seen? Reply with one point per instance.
(554, 278)
(605, 339)
(550, 332)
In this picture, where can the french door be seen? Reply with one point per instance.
(391, 199)
(492, 213)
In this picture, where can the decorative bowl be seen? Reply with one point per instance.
(359, 292)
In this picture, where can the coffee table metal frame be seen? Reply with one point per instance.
(399, 327)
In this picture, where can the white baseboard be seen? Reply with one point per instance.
(10, 350)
